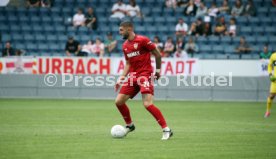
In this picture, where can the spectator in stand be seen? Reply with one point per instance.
(118, 10)
(225, 8)
(87, 49)
(8, 50)
(180, 53)
(181, 28)
(232, 29)
(33, 3)
(133, 10)
(201, 10)
(213, 11)
(199, 27)
(221, 27)
(179, 43)
(98, 48)
(192, 30)
(91, 20)
(110, 44)
(237, 10)
(207, 29)
(79, 19)
(169, 47)
(191, 47)
(158, 43)
(273, 3)
(191, 8)
(46, 3)
(197, 2)
(171, 4)
(243, 47)
(250, 9)
(265, 54)
(72, 47)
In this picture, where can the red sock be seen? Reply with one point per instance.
(125, 113)
(157, 115)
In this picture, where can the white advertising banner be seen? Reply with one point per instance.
(115, 66)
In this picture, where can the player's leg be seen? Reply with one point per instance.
(120, 103)
(269, 104)
(157, 114)
(127, 91)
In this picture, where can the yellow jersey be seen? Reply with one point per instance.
(272, 64)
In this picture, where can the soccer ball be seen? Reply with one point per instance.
(118, 131)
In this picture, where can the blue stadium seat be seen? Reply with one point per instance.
(40, 37)
(251, 39)
(202, 40)
(6, 37)
(222, 56)
(46, 20)
(214, 39)
(26, 29)
(205, 49)
(49, 29)
(235, 40)
(246, 30)
(168, 12)
(219, 49)
(209, 56)
(266, 21)
(226, 40)
(43, 47)
(262, 11)
(17, 38)
(13, 18)
(258, 30)
(31, 47)
(148, 21)
(159, 21)
(156, 12)
(51, 38)
(246, 56)
(151, 30)
(234, 56)
(229, 49)
(270, 30)
(272, 39)
(262, 39)
(20, 46)
(60, 29)
(29, 38)
(139, 29)
(255, 56)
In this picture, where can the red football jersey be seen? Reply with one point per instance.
(137, 52)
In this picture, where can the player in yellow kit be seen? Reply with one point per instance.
(271, 68)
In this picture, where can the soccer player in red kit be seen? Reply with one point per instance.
(137, 50)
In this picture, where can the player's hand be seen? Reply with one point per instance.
(157, 75)
(272, 78)
(119, 83)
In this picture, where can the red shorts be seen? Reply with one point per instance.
(134, 85)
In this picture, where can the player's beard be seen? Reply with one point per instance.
(125, 36)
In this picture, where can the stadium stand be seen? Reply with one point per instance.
(45, 30)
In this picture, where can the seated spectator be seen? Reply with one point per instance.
(207, 29)
(237, 10)
(201, 10)
(171, 4)
(98, 48)
(169, 47)
(118, 10)
(221, 27)
(250, 9)
(163, 54)
(157, 42)
(199, 27)
(265, 54)
(87, 49)
(191, 47)
(133, 10)
(179, 43)
(79, 19)
(232, 29)
(191, 8)
(19, 52)
(46, 3)
(181, 28)
(8, 50)
(91, 20)
(180, 53)
(72, 47)
(213, 11)
(110, 43)
(33, 3)
(225, 8)
(243, 47)
(192, 30)
(197, 2)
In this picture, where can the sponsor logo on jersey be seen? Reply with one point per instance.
(135, 45)
(132, 54)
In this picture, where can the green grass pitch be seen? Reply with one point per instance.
(80, 129)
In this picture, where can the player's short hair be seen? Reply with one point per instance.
(126, 24)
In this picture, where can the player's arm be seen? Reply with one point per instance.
(269, 70)
(123, 76)
(157, 56)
